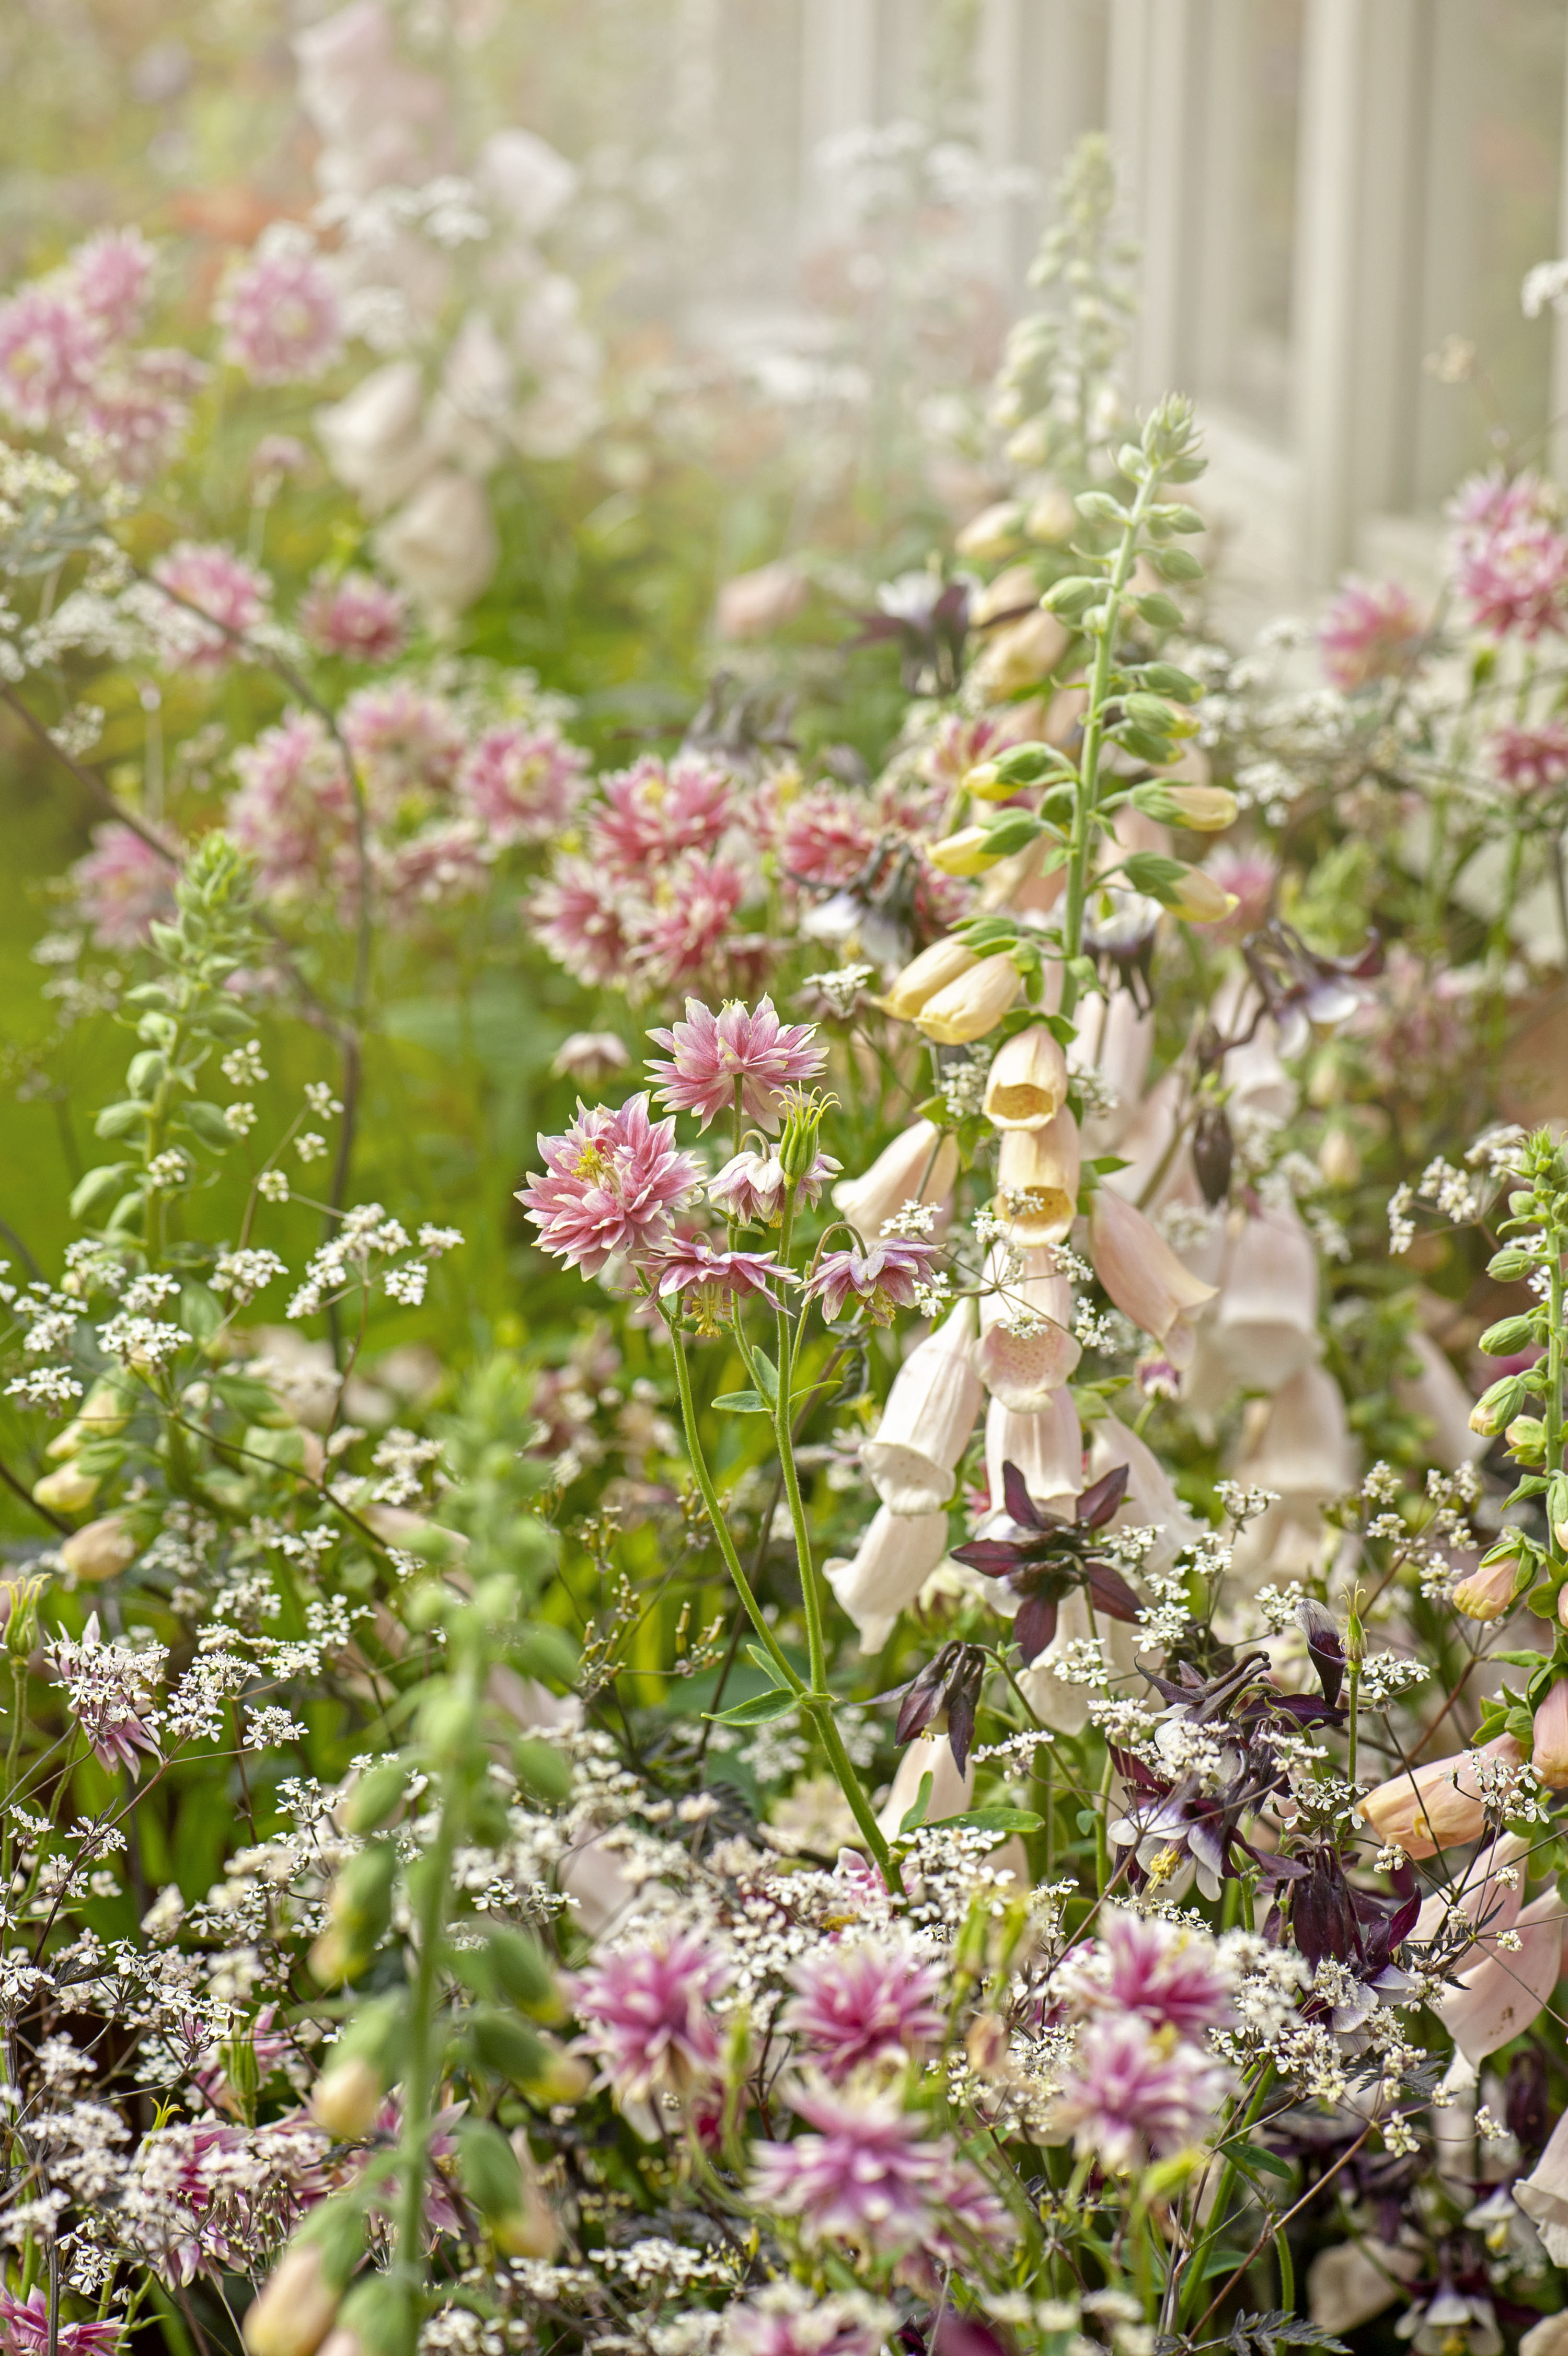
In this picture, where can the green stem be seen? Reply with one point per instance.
(1192, 2273)
(1093, 743)
(418, 2093)
(14, 1752)
(695, 1449)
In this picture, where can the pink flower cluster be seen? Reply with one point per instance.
(212, 597)
(1531, 759)
(1142, 2085)
(672, 852)
(66, 361)
(1511, 555)
(1370, 632)
(856, 2004)
(356, 617)
(868, 2174)
(279, 310)
(645, 2015)
(609, 1185)
(120, 886)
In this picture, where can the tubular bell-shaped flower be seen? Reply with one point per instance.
(1143, 1275)
(918, 1167)
(925, 1425)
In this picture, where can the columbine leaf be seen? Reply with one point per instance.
(760, 1710)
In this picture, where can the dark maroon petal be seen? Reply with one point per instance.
(1110, 1591)
(915, 1714)
(1034, 1625)
(961, 1728)
(996, 1556)
(1021, 1506)
(1096, 1505)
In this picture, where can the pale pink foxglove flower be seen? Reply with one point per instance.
(946, 961)
(918, 1167)
(442, 543)
(896, 1555)
(1023, 1368)
(965, 1010)
(375, 439)
(1264, 1324)
(1544, 2195)
(1062, 1703)
(1549, 1755)
(596, 1890)
(1298, 1444)
(1438, 1397)
(926, 1422)
(1026, 1085)
(1354, 2281)
(1045, 1446)
(1036, 1180)
(1144, 1276)
(716, 1060)
(1437, 1804)
(1151, 1501)
(755, 605)
(1506, 1989)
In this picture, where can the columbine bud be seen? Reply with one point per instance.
(921, 979)
(1036, 1179)
(798, 1142)
(295, 2311)
(1200, 899)
(1026, 1085)
(968, 853)
(1489, 1590)
(965, 1010)
(1548, 1752)
(68, 1491)
(100, 1549)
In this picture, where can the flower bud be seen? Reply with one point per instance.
(100, 1549)
(1036, 1179)
(1026, 1085)
(347, 2098)
(68, 1491)
(1489, 1590)
(798, 1143)
(1526, 1439)
(1497, 1406)
(987, 784)
(1200, 898)
(1548, 1752)
(991, 534)
(921, 979)
(973, 1004)
(297, 2303)
(968, 853)
(1202, 809)
(1052, 516)
(1338, 1157)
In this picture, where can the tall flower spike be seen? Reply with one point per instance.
(712, 1055)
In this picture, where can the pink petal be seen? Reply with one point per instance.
(1499, 1996)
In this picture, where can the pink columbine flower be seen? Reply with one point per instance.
(357, 617)
(713, 1055)
(880, 1279)
(25, 2329)
(865, 2003)
(652, 813)
(610, 1184)
(216, 583)
(1167, 1975)
(280, 312)
(1511, 558)
(435, 867)
(647, 2014)
(110, 277)
(134, 418)
(687, 930)
(294, 809)
(868, 2174)
(49, 349)
(1137, 2094)
(715, 1280)
(120, 886)
(1370, 632)
(750, 1188)
(406, 742)
(522, 782)
(784, 2318)
(1533, 760)
(825, 839)
(584, 920)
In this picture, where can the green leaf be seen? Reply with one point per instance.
(769, 1667)
(1148, 871)
(1254, 2155)
(744, 1403)
(201, 1311)
(1175, 564)
(914, 1814)
(993, 1820)
(770, 1374)
(760, 1710)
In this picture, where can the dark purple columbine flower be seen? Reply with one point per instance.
(880, 1279)
(1051, 1556)
(929, 619)
(943, 1697)
(1324, 1646)
(1301, 990)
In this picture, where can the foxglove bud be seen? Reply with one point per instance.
(1201, 809)
(1548, 1752)
(1489, 1590)
(100, 1549)
(968, 853)
(68, 1491)
(924, 976)
(297, 2306)
(347, 2098)
(1200, 898)
(1526, 1438)
(1498, 1405)
(1438, 1803)
(973, 1004)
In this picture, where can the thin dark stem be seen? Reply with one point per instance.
(21, 1490)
